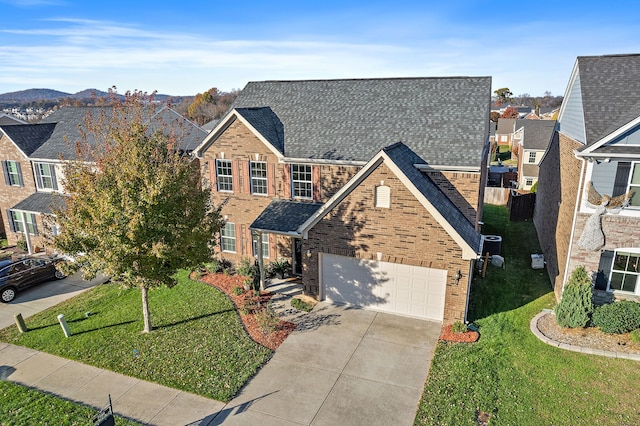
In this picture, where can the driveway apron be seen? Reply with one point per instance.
(341, 366)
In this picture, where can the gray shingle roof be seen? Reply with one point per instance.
(405, 159)
(29, 137)
(267, 123)
(537, 133)
(610, 86)
(444, 120)
(505, 126)
(39, 202)
(69, 122)
(283, 216)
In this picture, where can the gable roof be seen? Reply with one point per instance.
(610, 91)
(28, 137)
(69, 123)
(444, 120)
(402, 160)
(267, 123)
(284, 216)
(537, 133)
(7, 119)
(505, 126)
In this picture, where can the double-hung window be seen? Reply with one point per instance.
(228, 237)
(17, 224)
(625, 272)
(224, 175)
(634, 185)
(301, 180)
(532, 157)
(12, 173)
(46, 176)
(265, 246)
(258, 177)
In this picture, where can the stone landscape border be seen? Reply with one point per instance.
(533, 325)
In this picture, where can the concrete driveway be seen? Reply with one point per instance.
(342, 366)
(43, 296)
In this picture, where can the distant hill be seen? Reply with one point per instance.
(31, 95)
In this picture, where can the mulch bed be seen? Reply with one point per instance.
(468, 336)
(227, 284)
(590, 337)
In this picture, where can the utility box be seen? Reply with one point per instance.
(537, 261)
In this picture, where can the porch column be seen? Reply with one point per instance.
(258, 237)
(27, 238)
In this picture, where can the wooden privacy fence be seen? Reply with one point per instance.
(521, 206)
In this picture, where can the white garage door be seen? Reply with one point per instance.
(389, 287)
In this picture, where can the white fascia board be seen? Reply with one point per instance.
(292, 160)
(340, 195)
(443, 168)
(223, 125)
(572, 78)
(611, 136)
(468, 252)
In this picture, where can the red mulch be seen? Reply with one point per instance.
(466, 337)
(226, 284)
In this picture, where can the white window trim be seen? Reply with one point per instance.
(633, 251)
(634, 186)
(16, 217)
(40, 176)
(258, 178)
(265, 246)
(535, 157)
(228, 238)
(294, 181)
(219, 175)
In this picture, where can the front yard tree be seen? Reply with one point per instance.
(504, 95)
(136, 210)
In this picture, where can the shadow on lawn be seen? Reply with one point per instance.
(186, 320)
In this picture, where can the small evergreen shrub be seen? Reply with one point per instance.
(634, 336)
(267, 320)
(22, 244)
(280, 267)
(618, 317)
(458, 327)
(238, 291)
(576, 306)
(301, 305)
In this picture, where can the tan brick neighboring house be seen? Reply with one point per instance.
(32, 154)
(597, 146)
(371, 188)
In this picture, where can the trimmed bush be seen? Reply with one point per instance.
(617, 318)
(458, 327)
(634, 336)
(576, 305)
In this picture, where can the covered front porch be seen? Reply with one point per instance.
(282, 218)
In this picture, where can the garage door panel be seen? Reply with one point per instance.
(388, 287)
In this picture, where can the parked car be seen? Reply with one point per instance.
(17, 275)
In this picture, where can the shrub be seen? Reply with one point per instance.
(238, 291)
(250, 304)
(280, 267)
(217, 265)
(458, 327)
(576, 305)
(267, 320)
(301, 305)
(617, 318)
(634, 336)
(22, 244)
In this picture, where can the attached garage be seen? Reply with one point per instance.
(382, 286)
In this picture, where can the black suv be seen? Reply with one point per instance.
(16, 275)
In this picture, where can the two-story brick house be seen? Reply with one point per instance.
(32, 158)
(531, 139)
(588, 200)
(371, 188)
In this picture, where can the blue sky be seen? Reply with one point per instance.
(187, 47)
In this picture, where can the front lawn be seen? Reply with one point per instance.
(25, 406)
(198, 344)
(510, 377)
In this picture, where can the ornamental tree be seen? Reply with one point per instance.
(135, 208)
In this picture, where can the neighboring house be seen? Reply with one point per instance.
(504, 131)
(371, 188)
(8, 119)
(32, 154)
(530, 141)
(596, 147)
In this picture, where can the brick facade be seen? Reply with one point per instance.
(12, 195)
(404, 233)
(462, 189)
(555, 205)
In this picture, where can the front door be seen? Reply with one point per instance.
(297, 255)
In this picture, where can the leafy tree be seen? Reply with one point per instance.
(210, 105)
(576, 306)
(510, 112)
(136, 209)
(494, 116)
(504, 95)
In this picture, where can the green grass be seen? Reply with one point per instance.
(25, 406)
(509, 373)
(198, 345)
